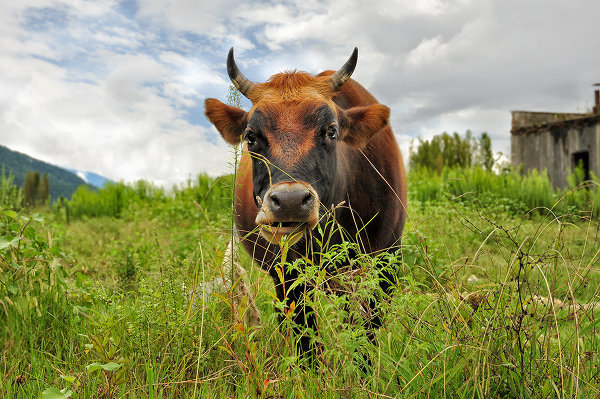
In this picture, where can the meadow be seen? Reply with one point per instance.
(497, 296)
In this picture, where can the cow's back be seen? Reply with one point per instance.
(373, 179)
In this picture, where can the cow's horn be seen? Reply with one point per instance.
(343, 74)
(243, 84)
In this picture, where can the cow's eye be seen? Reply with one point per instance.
(332, 132)
(250, 137)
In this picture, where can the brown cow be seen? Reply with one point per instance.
(311, 143)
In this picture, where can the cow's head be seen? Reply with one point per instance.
(292, 132)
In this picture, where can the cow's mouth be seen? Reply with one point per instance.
(285, 226)
(288, 232)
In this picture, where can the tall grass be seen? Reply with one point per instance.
(37, 318)
(116, 199)
(490, 300)
(509, 191)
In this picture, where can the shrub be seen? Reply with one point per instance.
(11, 196)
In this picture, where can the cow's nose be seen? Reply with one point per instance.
(290, 202)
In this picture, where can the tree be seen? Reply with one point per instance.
(36, 181)
(445, 150)
(36, 191)
(43, 190)
(485, 151)
(29, 189)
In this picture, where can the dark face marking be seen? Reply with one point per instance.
(293, 142)
(322, 116)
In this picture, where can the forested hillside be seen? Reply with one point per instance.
(62, 182)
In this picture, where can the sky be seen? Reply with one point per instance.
(117, 87)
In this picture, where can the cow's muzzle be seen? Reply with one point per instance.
(288, 210)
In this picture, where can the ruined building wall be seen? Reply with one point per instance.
(551, 141)
(525, 118)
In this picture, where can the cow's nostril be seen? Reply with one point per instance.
(275, 201)
(307, 200)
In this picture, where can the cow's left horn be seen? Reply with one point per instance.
(242, 83)
(343, 74)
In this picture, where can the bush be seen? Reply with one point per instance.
(508, 192)
(118, 200)
(452, 151)
(33, 289)
(11, 196)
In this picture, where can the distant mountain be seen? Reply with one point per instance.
(62, 182)
(91, 178)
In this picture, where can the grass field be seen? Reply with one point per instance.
(493, 300)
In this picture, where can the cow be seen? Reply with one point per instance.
(311, 143)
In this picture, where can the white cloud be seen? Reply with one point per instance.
(85, 85)
(427, 52)
(203, 17)
(123, 118)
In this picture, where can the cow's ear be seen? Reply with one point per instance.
(359, 124)
(229, 121)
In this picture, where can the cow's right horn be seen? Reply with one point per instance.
(343, 74)
(243, 84)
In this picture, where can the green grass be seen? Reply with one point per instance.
(491, 301)
(510, 191)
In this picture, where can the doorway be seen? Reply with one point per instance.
(582, 158)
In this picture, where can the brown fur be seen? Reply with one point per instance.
(361, 123)
(368, 169)
(229, 121)
(291, 85)
(291, 141)
(367, 145)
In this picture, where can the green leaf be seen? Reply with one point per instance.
(279, 273)
(226, 350)
(68, 378)
(53, 393)
(10, 214)
(4, 243)
(13, 288)
(30, 233)
(112, 366)
(93, 367)
(35, 217)
(296, 283)
(589, 327)
(38, 217)
(220, 296)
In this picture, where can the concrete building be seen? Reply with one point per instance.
(557, 142)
